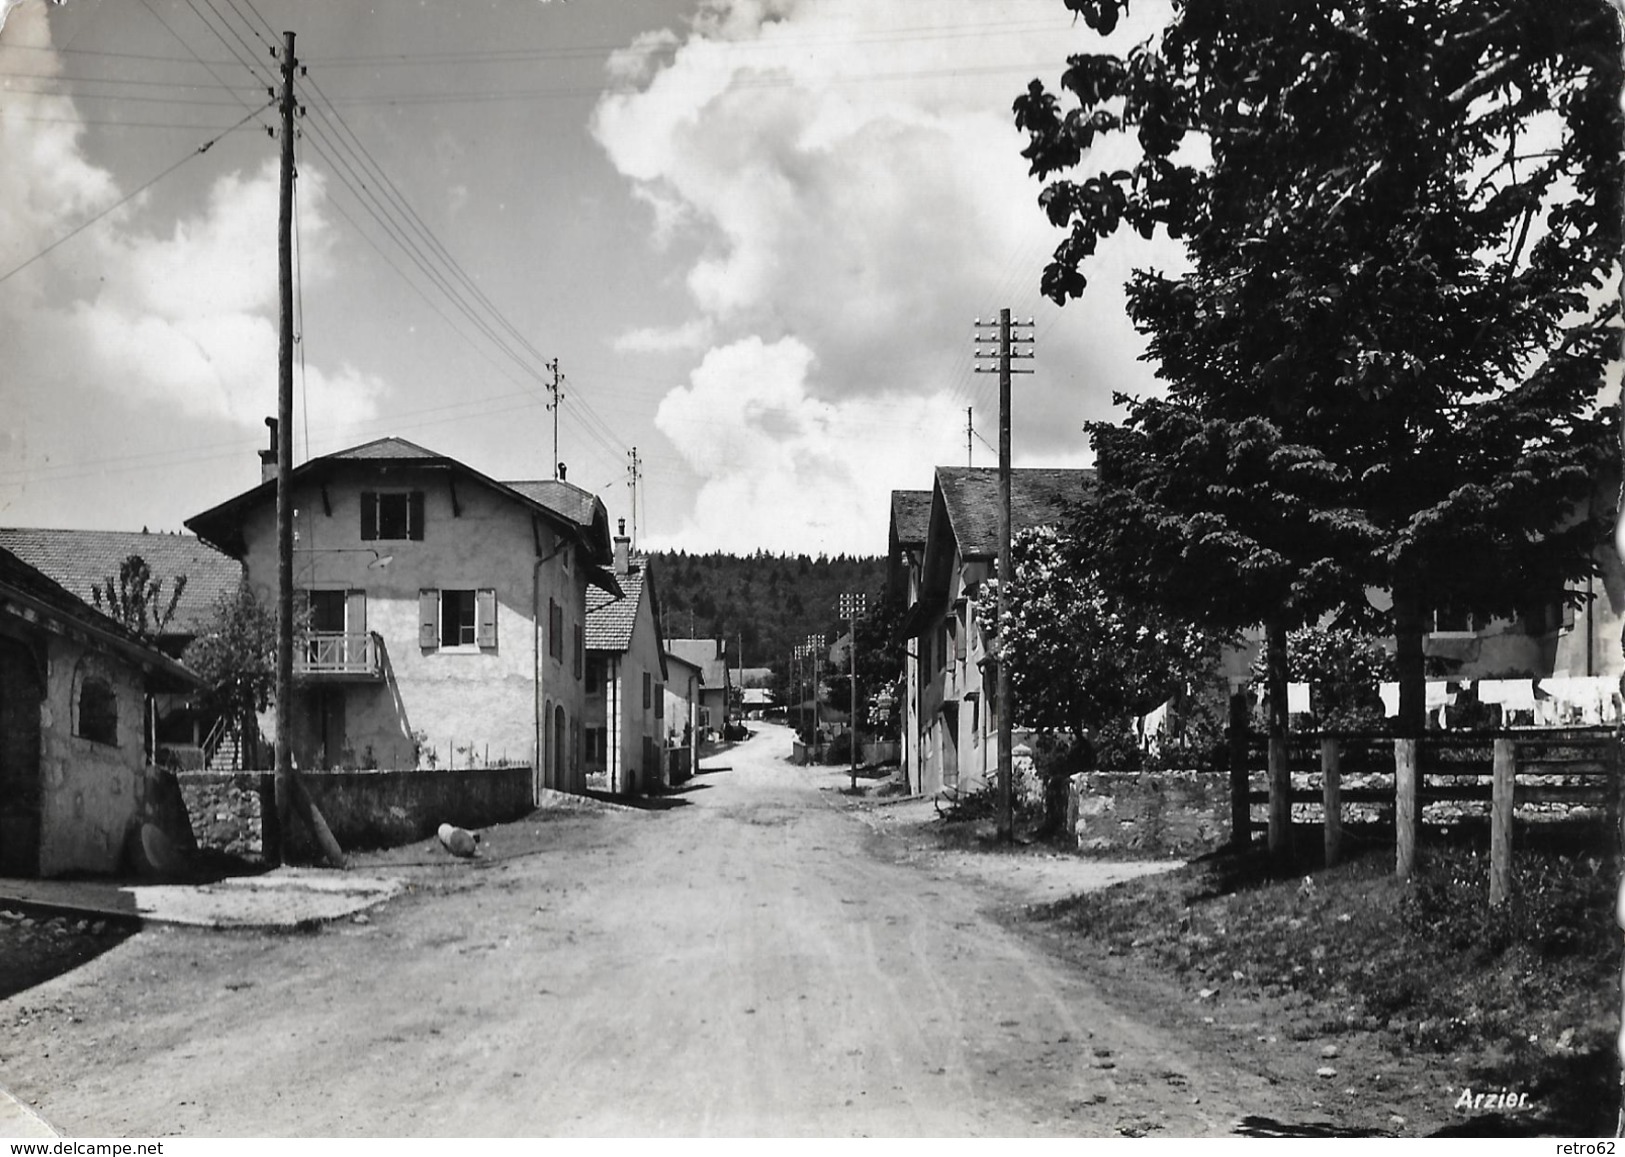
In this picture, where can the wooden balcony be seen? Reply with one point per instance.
(330, 657)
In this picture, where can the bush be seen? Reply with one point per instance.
(839, 749)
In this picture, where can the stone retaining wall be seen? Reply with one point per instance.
(1163, 813)
(231, 812)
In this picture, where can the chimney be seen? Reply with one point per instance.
(623, 549)
(268, 457)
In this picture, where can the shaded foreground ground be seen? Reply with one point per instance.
(1390, 1007)
(761, 955)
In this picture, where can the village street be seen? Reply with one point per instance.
(753, 960)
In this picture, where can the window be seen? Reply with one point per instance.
(326, 610)
(1454, 620)
(555, 630)
(96, 706)
(455, 618)
(595, 746)
(392, 516)
(647, 690)
(592, 676)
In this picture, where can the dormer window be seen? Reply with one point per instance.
(392, 515)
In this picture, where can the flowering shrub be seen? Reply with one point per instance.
(1081, 660)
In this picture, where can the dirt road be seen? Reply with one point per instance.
(748, 960)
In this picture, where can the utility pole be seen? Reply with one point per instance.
(815, 645)
(852, 605)
(1005, 339)
(555, 388)
(798, 654)
(284, 461)
(970, 432)
(289, 790)
(634, 471)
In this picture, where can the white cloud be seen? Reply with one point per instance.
(783, 470)
(691, 335)
(847, 174)
(135, 339)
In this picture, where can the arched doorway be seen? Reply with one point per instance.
(561, 768)
(20, 695)
(548, 755)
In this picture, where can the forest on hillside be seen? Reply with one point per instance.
(768, 604)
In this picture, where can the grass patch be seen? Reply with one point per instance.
(1525, 995)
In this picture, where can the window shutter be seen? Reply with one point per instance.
(646, 688)
(355, 612)
(579, 652)
(487, 620)
(428, 618)
(414, 516)
(369, 516)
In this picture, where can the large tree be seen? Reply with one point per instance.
(1383, 366)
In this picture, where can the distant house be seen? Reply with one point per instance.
(755, 690)
(73, 693)
(83, 560)
(444, 611)
(905, 555)
(625, 704)
(684, 683)
(711, 657)
(953, 708)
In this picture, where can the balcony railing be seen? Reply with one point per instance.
(336, 655)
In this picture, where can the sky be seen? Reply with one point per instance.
(755, 236)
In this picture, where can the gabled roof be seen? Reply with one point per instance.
(394, 449)
(910, 517)
(612, 622)
(577, 511)
(35, 594)
(970, 498)
(965, 521)
(579, 506)
(709, 655)
(82, 560)
(674, 659)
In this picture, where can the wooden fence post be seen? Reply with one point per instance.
(1502, 792)
(1280, 834)
(1331, 774)
(1405, 809)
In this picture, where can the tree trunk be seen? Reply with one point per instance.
(1408, 632)
(1412, 722)
(1280, 775)
(1241, 809)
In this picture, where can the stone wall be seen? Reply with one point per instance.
(877, 752)
(381, 809)
(228, 810)
(363, 809)
(1164, 813)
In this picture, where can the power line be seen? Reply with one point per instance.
(82, 226)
